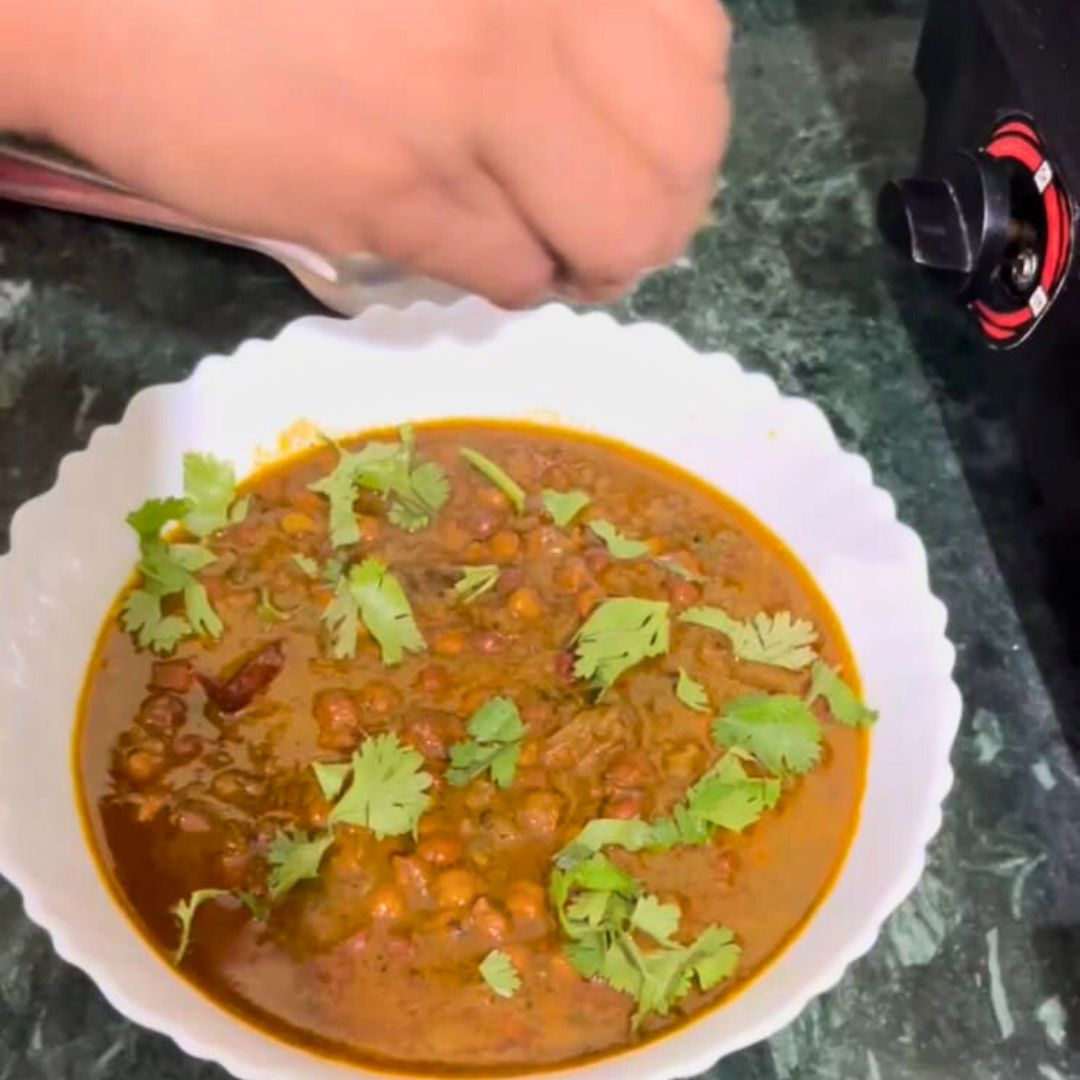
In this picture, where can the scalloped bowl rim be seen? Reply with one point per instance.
(473, 339)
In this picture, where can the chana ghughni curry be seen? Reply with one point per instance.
(483, 746)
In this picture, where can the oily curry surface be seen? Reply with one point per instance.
(380, 721)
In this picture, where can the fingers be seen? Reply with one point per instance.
(607, 147)
(579, 183)
(632, 64)
(703, 28)
(467, 234)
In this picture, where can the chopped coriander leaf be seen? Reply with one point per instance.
(414, 506)
(201, 615)
(155, 514)
(308, 566)
(725, 797)
(668, 975)
(333, 570)
(659, 921)
(342, 619)
(596, 874)
(714, 956)
(618, 545)
(691, 693)
(210, 490)
(184, 911)
(490, 471)
(589, 908)
(200, 612)
(779, 730)
(631, 834)
(331, 777)
(191, 557)
(843, 703)
(413, 495)
(586, 955)
(500, 974)
(294, 857)
(167, 570)
(494, 745)
(385, 609)
(564, 506)
(604, 912)
(371, 593)
(729, 798)
(268, 611)
(673, 566)
(475, 581)
(339, 487)
(619, 634)
(776, 639)
(257, 907)
(142, 616)
(389, 789)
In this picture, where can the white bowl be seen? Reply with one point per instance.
(71, 553)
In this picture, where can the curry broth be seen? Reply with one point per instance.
(376, 960)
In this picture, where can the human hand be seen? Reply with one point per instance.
(512, 147)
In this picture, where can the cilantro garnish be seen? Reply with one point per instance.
(155, 514)
(779, 730)
(659, 921)
(210, 492)
(307, 566)
(331, 777)
(564, 506)
(142, 615)
(167, 570)
(388, 792)
(294, 857)
(714, 956)
(209, 504)
(631, 834)
(342, 618)
(500, 974)
(845, 707)
(385, 609)
(475, 581)
(726, 797)
(413, 495)
(618, 545)
(495, 735)
(672, 565)
(184, 911)
(691, 693)
(201, 615)
(490, 471)
(610, 920)
(257, 907)
(619, 634)
(371, 593)
(767, 639)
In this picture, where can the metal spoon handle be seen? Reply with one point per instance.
(43, 179)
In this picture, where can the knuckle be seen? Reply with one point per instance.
(521, 286)
(631, 253)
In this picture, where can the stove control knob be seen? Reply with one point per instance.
(957, 226)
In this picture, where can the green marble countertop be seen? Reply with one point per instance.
(976, 977)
